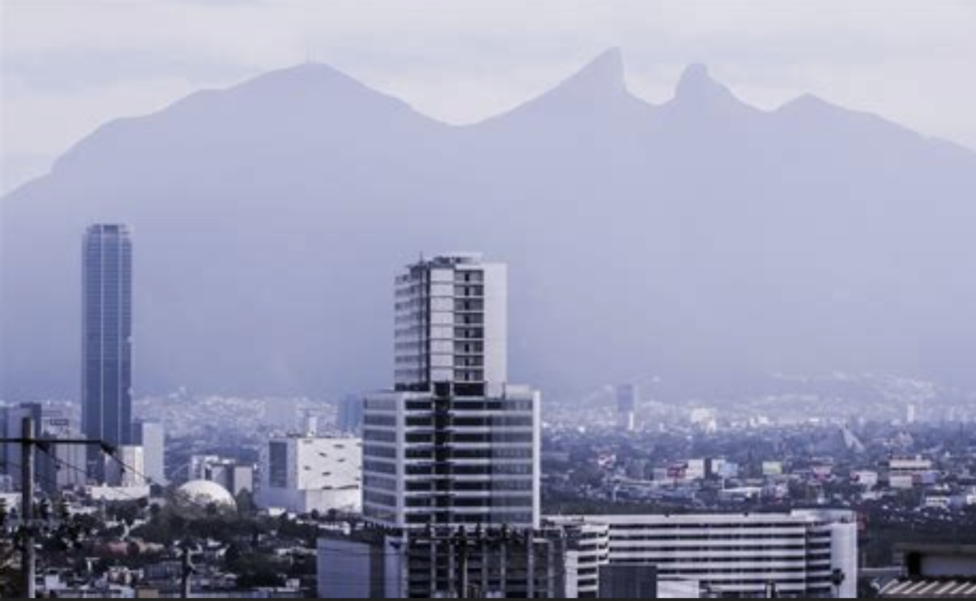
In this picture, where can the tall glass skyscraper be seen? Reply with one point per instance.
(107, 334)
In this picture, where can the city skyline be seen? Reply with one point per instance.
(487, 299)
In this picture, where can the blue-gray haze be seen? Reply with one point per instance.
(702, 239)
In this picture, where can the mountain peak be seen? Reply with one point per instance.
(605, 72)
(307, 76)
(697, 85)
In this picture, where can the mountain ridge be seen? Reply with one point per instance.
(607, 68)
(701, 239)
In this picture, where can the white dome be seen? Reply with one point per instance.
(204, 493)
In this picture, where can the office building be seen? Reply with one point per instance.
(302, 474)
(152, 438)
(430, 564)
(107, 337)
(799, 554)
(454, 444)
(627, 399)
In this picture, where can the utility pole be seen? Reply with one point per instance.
(186, 572)
(27, 508)
(28, 442)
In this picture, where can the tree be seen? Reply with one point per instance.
(245, 502)
(233, 555)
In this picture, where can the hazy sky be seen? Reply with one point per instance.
(70, 65)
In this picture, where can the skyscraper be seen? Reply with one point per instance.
(107, 335)
(454, 444)
(627, 395)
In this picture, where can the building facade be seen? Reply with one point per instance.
(454, 444)
(430, 564)
(130, 469)
(800, 554)
(229, 473)
(304, 474)
(152, 438)
(447, 460)
(451, 323)
(107, 336)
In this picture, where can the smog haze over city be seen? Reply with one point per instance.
(294, 293)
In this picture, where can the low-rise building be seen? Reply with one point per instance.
(803, 553)
(303, 474)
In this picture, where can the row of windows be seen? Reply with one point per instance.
(497, 519)
(374, 481)
(519, 469)
(494, 421)
(708, 537)
(461, 405)
(497, 421)
(469, 333)
(379, 513)
(373, 419)
(457, 406)
(507, 485)
(380, 404)
(379, 498)
(793, 527)
(492, 503)
(756, 566)
(379, 435)
(378, 451)
(708, 549)
(379, 467)
(491, 453)
(509, 437)
(494, 405)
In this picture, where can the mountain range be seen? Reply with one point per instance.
(701, 240)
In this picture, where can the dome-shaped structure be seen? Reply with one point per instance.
(201, 494)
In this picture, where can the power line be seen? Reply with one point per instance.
(63, 463)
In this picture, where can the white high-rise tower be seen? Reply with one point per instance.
(453, 444)
(451, 323)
